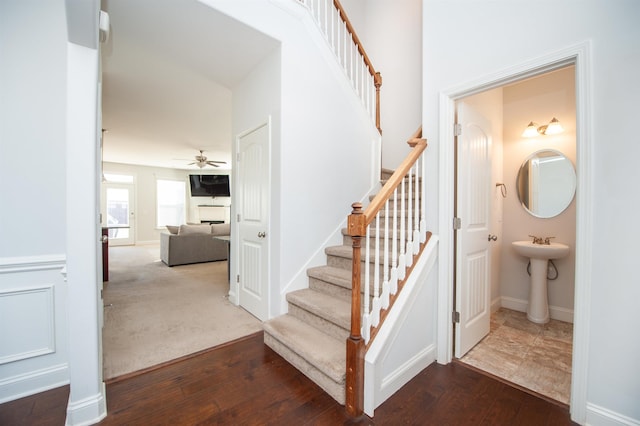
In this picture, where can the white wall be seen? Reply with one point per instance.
(391, 33)
(256, 100)
(33, 293)
(324, 150)
(48, 92)
(539, 99)
(32, 110)
(501, 34)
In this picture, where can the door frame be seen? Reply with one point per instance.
(131, 187)
(578, 55)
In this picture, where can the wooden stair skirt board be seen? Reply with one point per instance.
(312, 335)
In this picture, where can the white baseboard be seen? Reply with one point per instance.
(401, 376)
(88, 411)
(600, 416)
(34, 382)
(555, 312)
(496, 304)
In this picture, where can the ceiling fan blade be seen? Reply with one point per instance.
(219, 162)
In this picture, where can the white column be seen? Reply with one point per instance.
(87, 402)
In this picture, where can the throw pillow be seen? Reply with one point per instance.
(221, 228)
(194, 229)
(173, 229)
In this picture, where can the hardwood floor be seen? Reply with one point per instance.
(246, 383)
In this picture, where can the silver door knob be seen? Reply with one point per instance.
(262, 234)
(493, 237)
(104, 239)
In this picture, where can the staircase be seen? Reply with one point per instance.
(329, 324)
(312, 335)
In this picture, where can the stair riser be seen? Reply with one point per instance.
(334, 389)
(329, 288)
(346, 263)
(347, 241)
(399, 197)
(320, 323)
(334, 289)
(383, 227)
(406, 182)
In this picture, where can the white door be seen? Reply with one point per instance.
(253, 226)
(117, 213)
(473, 207)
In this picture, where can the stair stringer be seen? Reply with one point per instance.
(406, 342)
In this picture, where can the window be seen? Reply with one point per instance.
(115, 178)
(171, 196)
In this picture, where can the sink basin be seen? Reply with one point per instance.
(541, 251)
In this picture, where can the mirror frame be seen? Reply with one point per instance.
(520, 178)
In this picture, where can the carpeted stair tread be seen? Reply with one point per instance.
(337, 276)
(347, 253)
(332, 309)
(322, 351)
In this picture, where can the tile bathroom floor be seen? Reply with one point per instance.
(534, 356)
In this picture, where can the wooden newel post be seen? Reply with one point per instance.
(354, 398)
(377, 81)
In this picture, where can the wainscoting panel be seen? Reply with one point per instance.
(405, 343)
(27, 323)
(33, 325)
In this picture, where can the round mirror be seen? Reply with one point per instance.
(546, 183)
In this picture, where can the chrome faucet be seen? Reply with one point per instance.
(540, 240)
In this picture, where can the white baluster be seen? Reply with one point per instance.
(325, 16)
(416, 231)
(409, 251)
(365, 330)
(393, 281)
(402, 263)
(385, 281)
(367, 275)
(375, 309)
(423, 190)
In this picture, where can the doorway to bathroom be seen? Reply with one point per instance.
(491, 292)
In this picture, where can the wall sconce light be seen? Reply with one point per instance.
(533, 129)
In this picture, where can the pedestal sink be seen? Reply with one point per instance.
(539, 254)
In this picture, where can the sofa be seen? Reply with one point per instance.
(193, 243)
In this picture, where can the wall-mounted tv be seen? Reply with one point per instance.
(209, 185)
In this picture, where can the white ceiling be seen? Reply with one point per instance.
(168, 71)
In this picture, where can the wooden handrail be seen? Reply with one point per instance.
(394, 181)
(357, 228)
(377, 77)
(354, 36)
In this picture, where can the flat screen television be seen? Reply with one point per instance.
(209, 185)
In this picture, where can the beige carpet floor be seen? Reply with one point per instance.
(154, 313)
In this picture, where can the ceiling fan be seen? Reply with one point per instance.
(202, 161)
